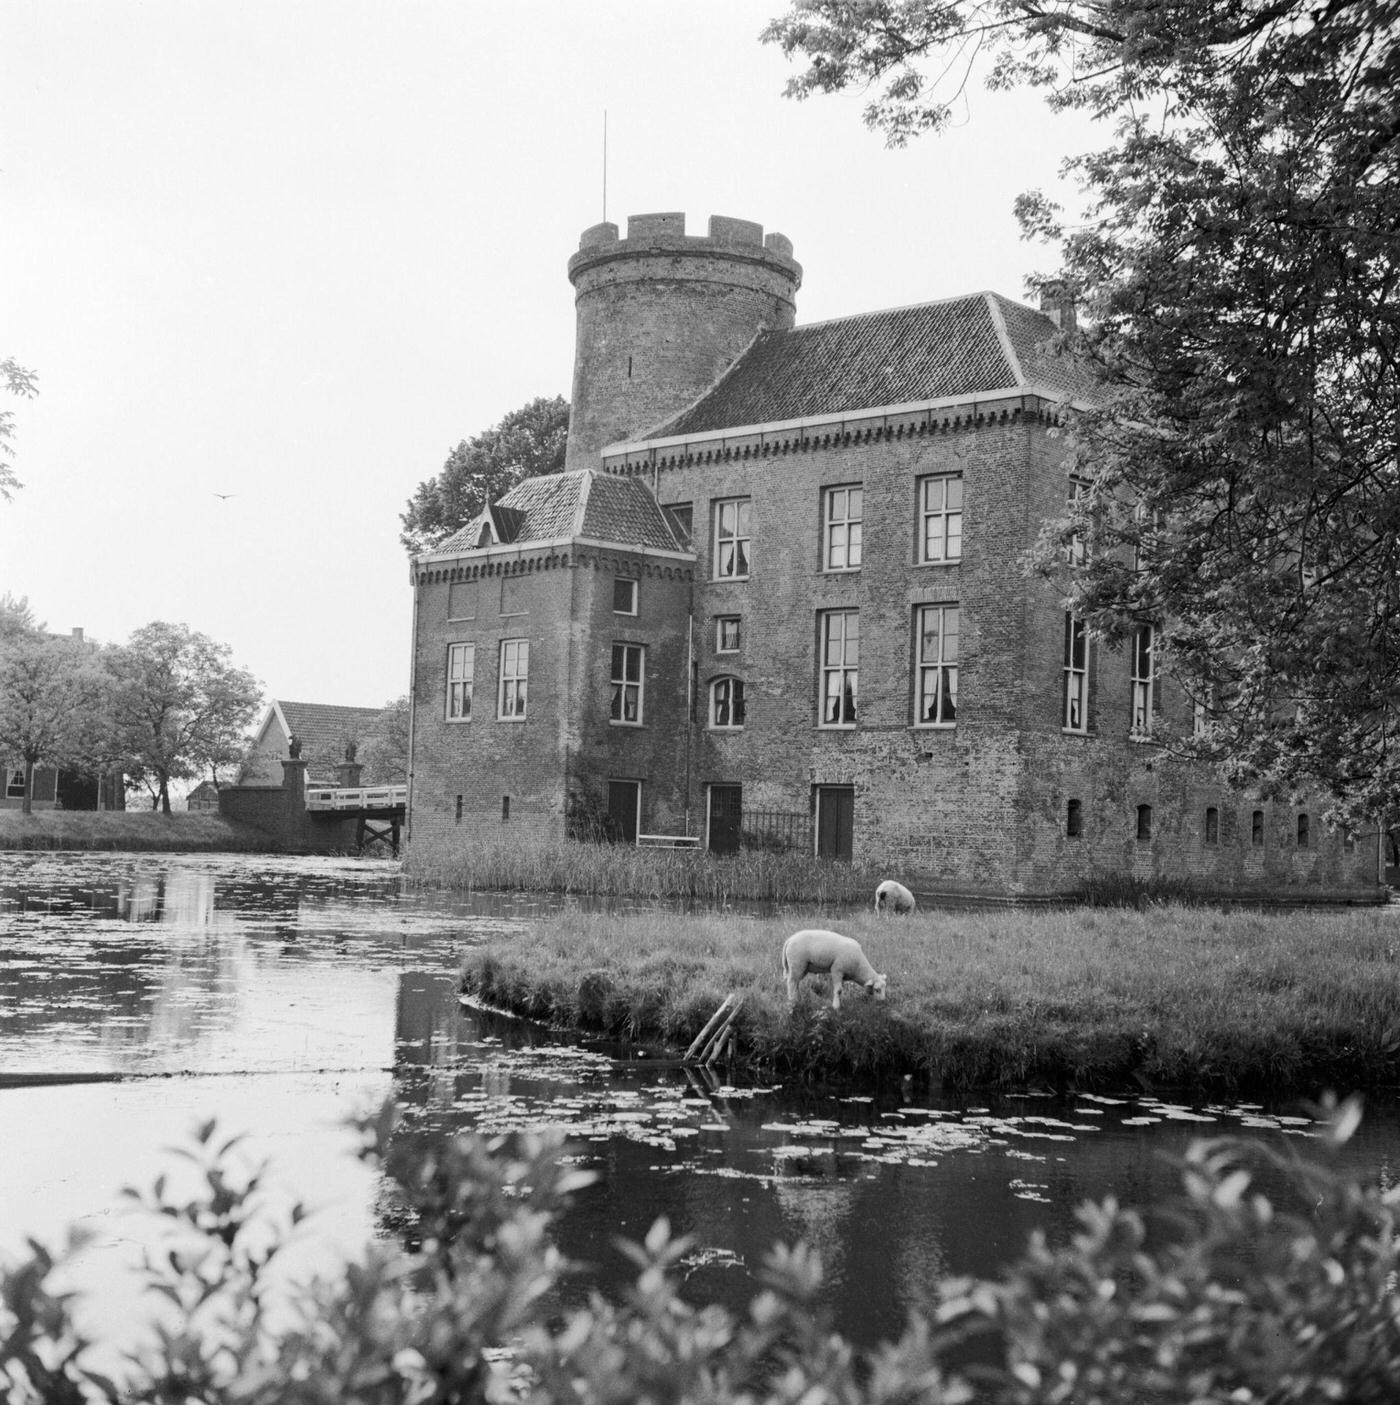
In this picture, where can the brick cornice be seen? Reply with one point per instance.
(825, 431)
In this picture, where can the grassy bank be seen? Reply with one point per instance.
(623, 870)
(1170, 997)
(125, 829)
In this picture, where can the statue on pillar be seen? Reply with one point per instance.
(294, 746)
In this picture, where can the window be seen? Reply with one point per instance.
(624, 597)
(680, 516)
(515, 677)
(505, 809)
(1075, 713)
(14, 783)
(461, 667)
(459, 809)
(840, 643)
(732, 539)
(727, 634)
(1348, 841)
(727, 703)
(1076, 549)
(1144, 823)
(1074, 819)
(940, 516)
(1304, 831)
(1212, 832)
(938, 665)
(626, 684)
(1141, 724)
(1256, 829)
(843, 529)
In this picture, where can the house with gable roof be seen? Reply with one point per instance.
(777, 599)
(323, 729)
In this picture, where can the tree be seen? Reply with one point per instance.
(16, 616)
(527, 442)
(180, 707)
(1239, 264)
(20, 382)
(51, 701)
(384, 749)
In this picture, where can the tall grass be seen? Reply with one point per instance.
(1167, 997)
(623, 870)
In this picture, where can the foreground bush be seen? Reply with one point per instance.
(1281, 1297)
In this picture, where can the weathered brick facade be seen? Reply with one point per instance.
(997, 798)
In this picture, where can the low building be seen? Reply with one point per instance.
(204, 798)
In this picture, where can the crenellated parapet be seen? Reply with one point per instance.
(662, 314)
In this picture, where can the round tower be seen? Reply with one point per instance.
(662, 314)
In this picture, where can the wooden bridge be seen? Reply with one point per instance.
(377, 809)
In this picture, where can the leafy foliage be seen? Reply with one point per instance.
(1239, 262)
(23, 383)
(1285, 1296)
(180, 707)
(53, 692)
(384, 747)
(527, 442)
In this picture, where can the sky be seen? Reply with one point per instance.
(273, 259)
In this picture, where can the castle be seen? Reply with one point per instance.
(777, 599)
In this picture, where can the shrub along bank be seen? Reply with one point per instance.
(1165, 997)
(1106, 1320)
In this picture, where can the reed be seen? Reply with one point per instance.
(623, 870)
(1166, 997)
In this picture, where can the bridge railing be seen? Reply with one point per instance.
(364, 797)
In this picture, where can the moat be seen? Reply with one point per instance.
(142, 993)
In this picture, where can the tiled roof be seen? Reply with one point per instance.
(962, 346)
(324, 727)
(584, 503)
(623, 510)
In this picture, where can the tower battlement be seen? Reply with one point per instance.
(653, 229)
(662, 314)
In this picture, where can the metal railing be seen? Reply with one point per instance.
(781, 830)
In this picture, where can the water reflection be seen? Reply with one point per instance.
(285, 994)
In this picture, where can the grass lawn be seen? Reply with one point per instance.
(125, 829)
(1170, 997)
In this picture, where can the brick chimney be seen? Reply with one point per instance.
(1057, 303)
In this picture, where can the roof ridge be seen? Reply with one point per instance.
(1008, 348)
(581, 506)
(907, 307)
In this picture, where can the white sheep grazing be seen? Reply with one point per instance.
(813, 951)
(893, 897)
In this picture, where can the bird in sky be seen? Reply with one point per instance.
(225, 495)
